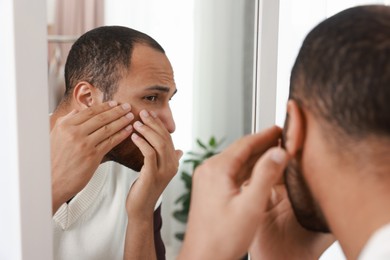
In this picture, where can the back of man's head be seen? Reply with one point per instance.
(342, 73)
(102, 57)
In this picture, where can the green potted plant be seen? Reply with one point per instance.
(195, 158)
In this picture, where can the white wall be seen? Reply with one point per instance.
(219, 68)
(25, 197)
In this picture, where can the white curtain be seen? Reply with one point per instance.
(67, 20)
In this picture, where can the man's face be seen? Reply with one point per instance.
(148, 85)
(306, 209)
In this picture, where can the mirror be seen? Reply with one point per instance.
(210, 45)
(281, 27)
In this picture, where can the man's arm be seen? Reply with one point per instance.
(79, 141)
(161, 162)
(139, 242)
(148, 241)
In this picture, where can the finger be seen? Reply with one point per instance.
(150, 157)
(113, 140)
(266, 174)
(110, 129)
(167, 157)
(86, 114)
(256, 143)
(99, 120)
(160, 143)
(239, 158)
(152, 121)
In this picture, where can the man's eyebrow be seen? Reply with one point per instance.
(162, 88)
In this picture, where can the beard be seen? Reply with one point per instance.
(127, 154)
(306, 209)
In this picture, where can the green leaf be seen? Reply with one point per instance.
(181, 216)
(180, 236)
(184, 172)
(196, 165)
(194, 154)
(192, 161)
(212, 142)
(182, 198)
(201, 144)
(187, 180)
(208, 155)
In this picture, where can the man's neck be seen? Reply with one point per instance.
(357, 209)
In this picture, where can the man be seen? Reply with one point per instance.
(337, 146)
(116, 108)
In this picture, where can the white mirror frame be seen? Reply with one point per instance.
(265, 65)
(25, 196)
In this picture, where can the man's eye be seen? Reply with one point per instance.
(151, 98)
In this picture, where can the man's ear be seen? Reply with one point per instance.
(295, 132)
(86, 95)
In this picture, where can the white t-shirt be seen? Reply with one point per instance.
(93, 225)
(378, 246)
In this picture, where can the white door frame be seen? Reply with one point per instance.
(25, 193)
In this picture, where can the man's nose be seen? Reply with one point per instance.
(168, 121)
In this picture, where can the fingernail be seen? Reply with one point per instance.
(130, 116)
(144, 113)
(137, 124)
(129, 128)
(135, 136)
(278, 156)
(112, 103)
(125, 106)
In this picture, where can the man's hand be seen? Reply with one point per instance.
(79, 141)
(280, 236)
(231, 197)
(161, 162)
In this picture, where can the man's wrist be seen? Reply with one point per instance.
(59, 197)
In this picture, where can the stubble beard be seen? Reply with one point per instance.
(127, 154)
(306, 209)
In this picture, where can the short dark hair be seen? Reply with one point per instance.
(102, 56)
(342, 72)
